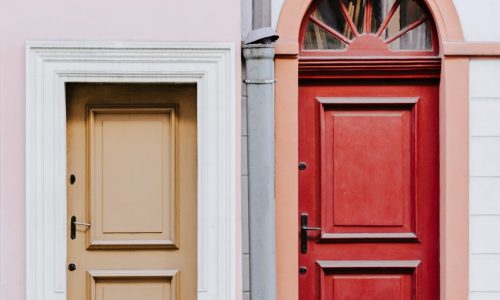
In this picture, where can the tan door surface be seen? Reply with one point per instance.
(132, 186)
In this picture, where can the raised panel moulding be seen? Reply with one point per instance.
(362, 279)
(338, 264)
(367, 100)
(366, 236)
(380, 132)
(111, 133)
(151, 284)
(211, 66)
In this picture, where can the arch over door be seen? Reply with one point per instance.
(369, 151)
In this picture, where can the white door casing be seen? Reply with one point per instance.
(211, 66)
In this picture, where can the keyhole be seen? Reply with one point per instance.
(72, 179)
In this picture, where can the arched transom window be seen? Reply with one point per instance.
(369, 27)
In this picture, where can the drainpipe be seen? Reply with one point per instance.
(258, 52)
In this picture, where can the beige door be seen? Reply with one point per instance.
(132, 191)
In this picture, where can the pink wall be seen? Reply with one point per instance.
(111, 20)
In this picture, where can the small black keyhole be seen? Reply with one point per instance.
(302, 166)
(71, 267)
(72, 179)
(302, 270)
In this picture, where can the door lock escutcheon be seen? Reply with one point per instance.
(73, 226)
(303, 232)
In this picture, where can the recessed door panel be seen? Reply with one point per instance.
(133, 166)
(129, 285)
(369, 191)
(132, 191)
(367, 167)
(367, 280)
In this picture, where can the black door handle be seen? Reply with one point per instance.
(73, 226)
(303, 232)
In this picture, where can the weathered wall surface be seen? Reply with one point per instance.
(108, 20)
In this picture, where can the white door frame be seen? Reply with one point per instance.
(211, 66)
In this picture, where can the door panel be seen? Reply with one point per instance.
(360, 138)
(369, 190)
(151, 285)
(367, 280)
(132, 189)
(133, 156)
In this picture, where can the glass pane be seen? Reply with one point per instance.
(380, 10)
(330, 13)
(418, 38)
(356, 10)
(318, 38)
(408, 12)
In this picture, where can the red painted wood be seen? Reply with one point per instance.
(368, 286)
(356, 143)
(368, 16)
(315, 67)
(372, 184)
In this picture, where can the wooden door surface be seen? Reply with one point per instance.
(132, 186)
(368, 190)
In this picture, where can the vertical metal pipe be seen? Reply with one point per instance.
(261, 13)
(260, 117)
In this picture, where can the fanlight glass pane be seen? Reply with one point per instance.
(330, 13)
(356, 12)
(401, 24)
(318, 38)
(418, 38)
(408, 12)
(380, 11)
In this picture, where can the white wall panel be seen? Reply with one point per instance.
(485, 273)
(483, 230)
(484, 296)
(484, 171)
(485, 195)
(485, 112)
(479, 19)
(485, 156)
(485, 77)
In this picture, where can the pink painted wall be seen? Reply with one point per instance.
(110, 20)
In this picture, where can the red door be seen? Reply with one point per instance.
(368, 190)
